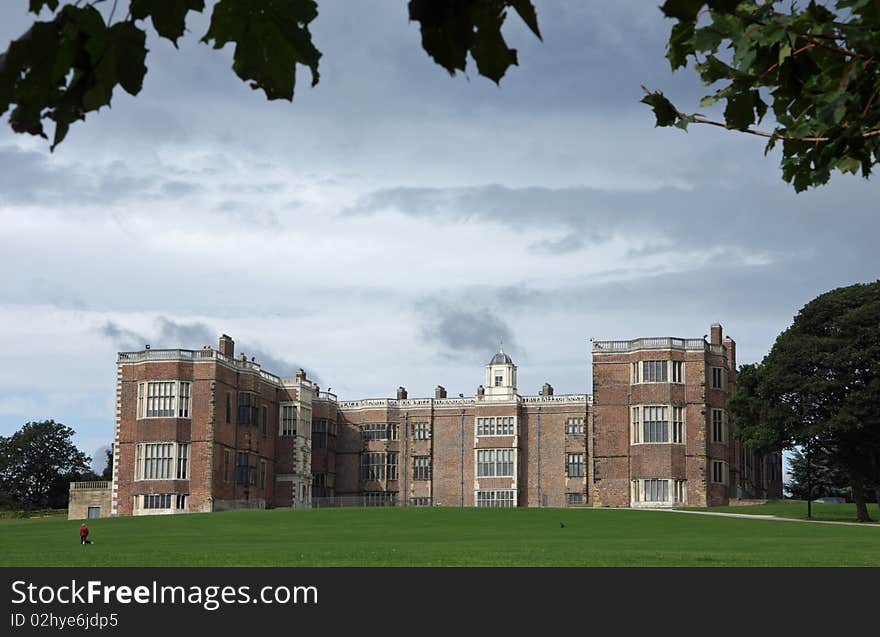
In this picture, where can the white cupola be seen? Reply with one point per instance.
(500, 376)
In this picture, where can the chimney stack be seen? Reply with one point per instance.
(227, 346)
(730, 345)
(481, 392)
(440, 392)
(300, 374)
(715, 331)
(547, 389)
(401, 393)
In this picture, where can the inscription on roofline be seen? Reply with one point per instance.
(467, 401)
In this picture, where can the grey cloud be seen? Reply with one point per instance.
(564, 245)
(32, 178)
(752, 216)
(174, 189)
(170, 334)
(461, 329)
(247, 213)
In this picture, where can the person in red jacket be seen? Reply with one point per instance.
(84, 534)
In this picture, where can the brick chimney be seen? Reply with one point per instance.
(547, 389)
(730, 345)
(715, 331)
(481, 392)
(227, 346)
(401, 393)
(300, 374)
(440, 392)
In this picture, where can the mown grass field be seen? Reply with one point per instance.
(798, 510)
(437, 537)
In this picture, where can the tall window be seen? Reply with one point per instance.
(164, 399)
(719, 471)
(264, 420)
(183, 461)
(421, 430)
(319, 485)
(656, 490)
(495, 463)
(183, 404)
(719, 430)
(392, 465)
(226, 465)
(678, 425)
(155, 461)
(654, 372)
(288, 420)
(319, 433)
(242, 468)
(501, 426)
(262, 474)
(499, 380)
(247, 408)
(655, 424)
(421, 468)
(679, 490)
(677, 371)
(718, 378)
(372, 466)
(496, 498)
(575, 466)
(574, 426)
(636, 425)
(228, 408)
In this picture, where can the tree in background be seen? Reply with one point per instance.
(37, 463)
(816, 69)
(63, 68)
(107, 473)
(817, 476)
(820, 387)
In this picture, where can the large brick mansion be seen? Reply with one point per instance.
(206, 430)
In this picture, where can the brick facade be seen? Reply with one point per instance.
(245, 438)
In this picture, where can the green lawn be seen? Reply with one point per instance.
(437, 537)
(798, 509)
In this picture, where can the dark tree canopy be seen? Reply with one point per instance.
(37, 463)
(820, 386)
(68, 66)
(817, 476)
(815, 68)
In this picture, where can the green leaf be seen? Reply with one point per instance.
(35, 6)
(709, 100)
(707, 39)
(664, 111)
(849, 165)
(724, 6)
(271, 37)
(682, 9)
(526, 11)
(451, 29)
(680, 44)
(168, 16)
(739, 113)
(784, 53)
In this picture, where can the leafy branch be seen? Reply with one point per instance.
(817, 70)
(68, 66)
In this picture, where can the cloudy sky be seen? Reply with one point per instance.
(390, 225)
